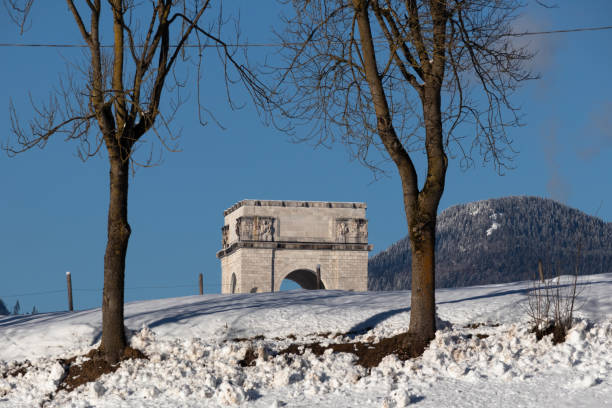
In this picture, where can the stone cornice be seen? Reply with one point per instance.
(288, 203)
(333, 246)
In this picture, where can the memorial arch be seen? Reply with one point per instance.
(315, 244)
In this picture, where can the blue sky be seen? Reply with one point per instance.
(53, 206)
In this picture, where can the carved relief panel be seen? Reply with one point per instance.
(265, 228)
(362, 229)
(351, 230)
(244, 228)
(255, 228)
(225, 236)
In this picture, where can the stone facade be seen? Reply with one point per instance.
(264, 242)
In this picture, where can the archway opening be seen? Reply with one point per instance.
(287, 284)
(301, 279)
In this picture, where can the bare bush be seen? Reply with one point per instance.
(551, 302)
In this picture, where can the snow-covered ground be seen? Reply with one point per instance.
(193, 362)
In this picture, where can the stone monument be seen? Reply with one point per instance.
(319, 245)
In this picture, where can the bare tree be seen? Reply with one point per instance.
(407, 77)
(116, 102)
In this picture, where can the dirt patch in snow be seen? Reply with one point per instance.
(92, 368)
(239, 339)
(558, 331)
(249, 358)
(369, 354)
(402, 345)
(477, 325)
(293, 336)
(19, 369)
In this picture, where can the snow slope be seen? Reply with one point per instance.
(194, 363)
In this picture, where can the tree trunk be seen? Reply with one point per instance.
(423, 301)
(113, 334)
(422, 222)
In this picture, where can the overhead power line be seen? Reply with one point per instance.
(40, 45)
(569, 30)
(33, 293)
(254, 45)
(192, 285)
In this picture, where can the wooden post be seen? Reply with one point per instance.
(540, 270)
(272, 269)
(69, 282)
(201, 281)
(318, 276)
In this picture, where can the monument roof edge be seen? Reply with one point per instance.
(293, 203)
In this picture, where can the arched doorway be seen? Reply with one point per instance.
(305, 278)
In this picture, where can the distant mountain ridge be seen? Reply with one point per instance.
(500, 240)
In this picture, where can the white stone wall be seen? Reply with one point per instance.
(345, 270)
(231, 265)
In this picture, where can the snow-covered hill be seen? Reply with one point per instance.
(500, 240)
(483, 356)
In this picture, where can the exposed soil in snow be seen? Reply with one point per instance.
(84, 369)
(282, 349)
(368, 354)
(17, 370)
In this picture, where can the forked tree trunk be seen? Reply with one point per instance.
(113, 334)
(422, 223)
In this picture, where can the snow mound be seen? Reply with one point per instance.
(483, 354)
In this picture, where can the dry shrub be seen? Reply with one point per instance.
(551, 302)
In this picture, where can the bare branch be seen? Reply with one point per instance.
(18, 11)
(548, 6)
(395, 42)
(416, 34)
(77, 17)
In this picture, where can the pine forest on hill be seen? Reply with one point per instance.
(501, 240)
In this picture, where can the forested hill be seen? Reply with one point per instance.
(501, 240)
